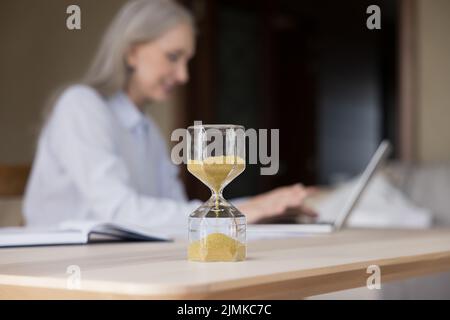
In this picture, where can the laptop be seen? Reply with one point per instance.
(344, 213)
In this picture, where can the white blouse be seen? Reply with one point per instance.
(103, 160)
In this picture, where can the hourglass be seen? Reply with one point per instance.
(217, 229)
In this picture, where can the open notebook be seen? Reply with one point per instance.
(77, 232)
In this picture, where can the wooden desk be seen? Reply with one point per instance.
(282, 268)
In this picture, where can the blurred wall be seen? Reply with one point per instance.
(433, 114)
(38, 54)
(349, 97)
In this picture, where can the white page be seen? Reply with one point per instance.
(77, 232)
(25, 236)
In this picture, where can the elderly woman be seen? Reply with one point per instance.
(99, 157)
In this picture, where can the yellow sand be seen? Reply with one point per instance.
(216, 171)
(216, 247)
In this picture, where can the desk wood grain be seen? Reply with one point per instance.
(291, 268)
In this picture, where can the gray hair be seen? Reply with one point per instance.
(138, 21)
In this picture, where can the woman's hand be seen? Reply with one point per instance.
(280, 204)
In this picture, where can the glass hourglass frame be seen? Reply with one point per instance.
(217, 229)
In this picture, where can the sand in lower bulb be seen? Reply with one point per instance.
(216, 247)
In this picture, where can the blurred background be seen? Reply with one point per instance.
(312, 69)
